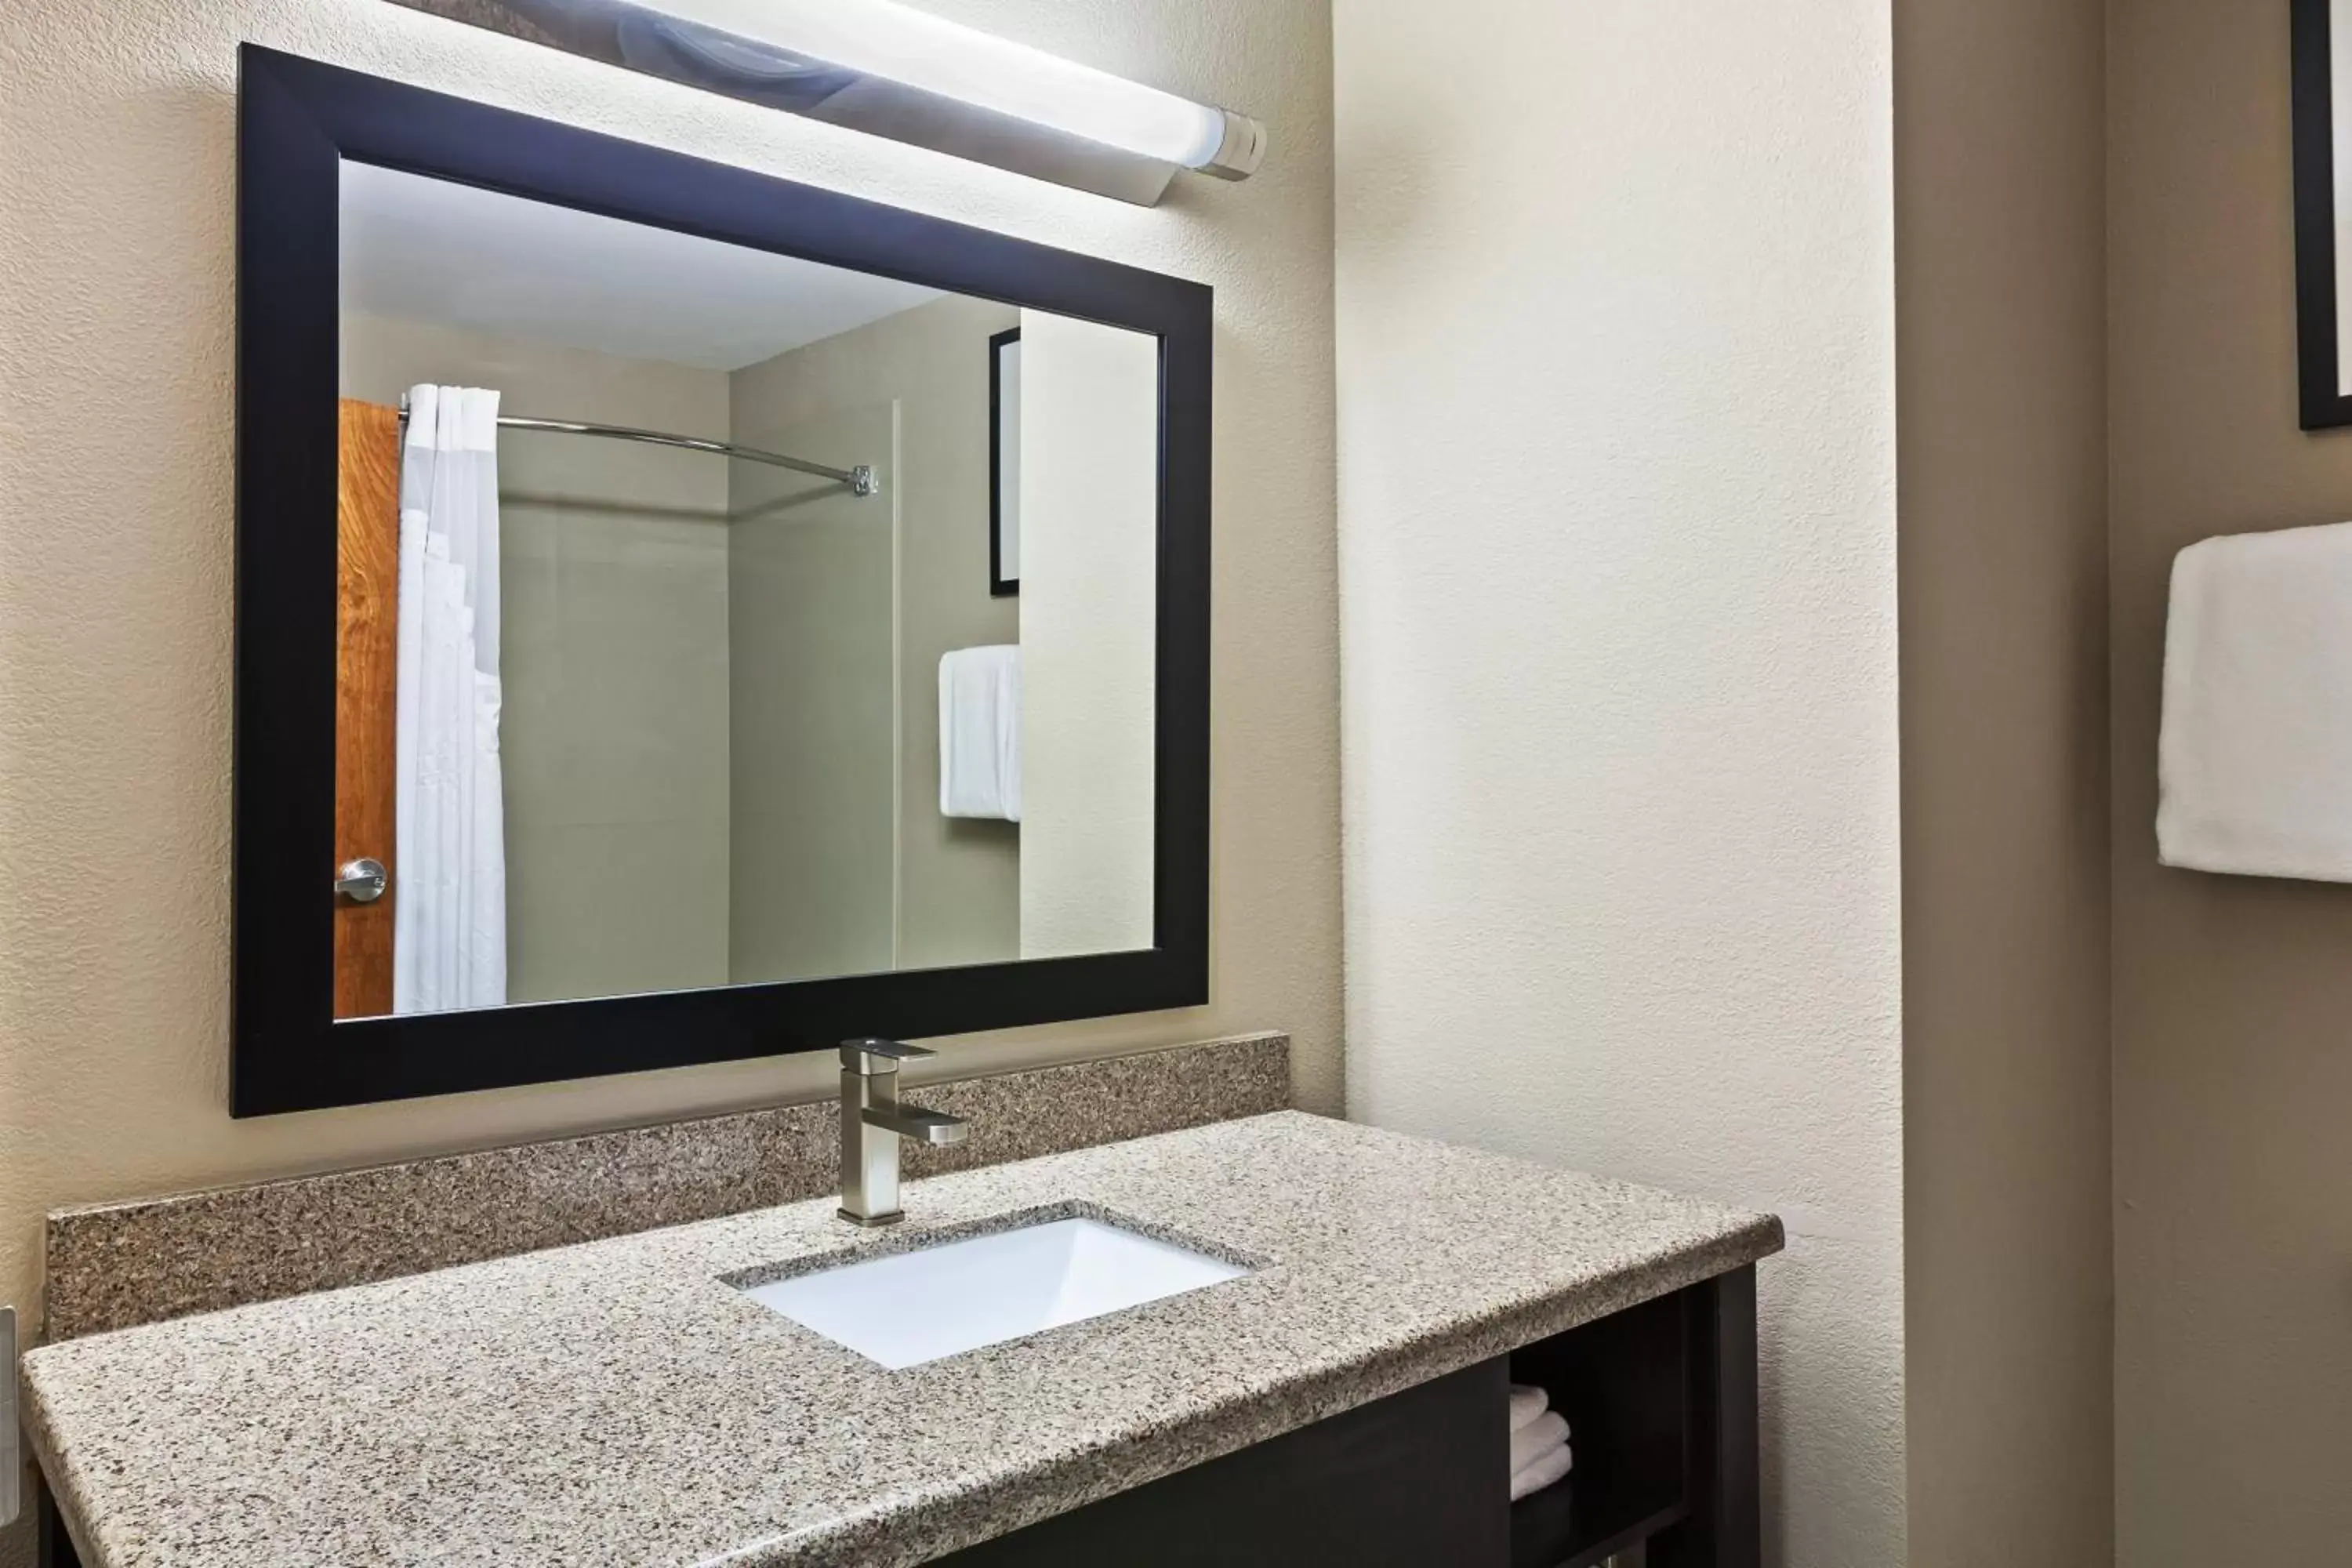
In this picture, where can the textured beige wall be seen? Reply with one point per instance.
(2000, 381)
(116, 338)
(613, 639)
(1618, 563)
(2232, 996)
(959, 893)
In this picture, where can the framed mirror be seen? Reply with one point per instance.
(627, 670)
(2322, 207)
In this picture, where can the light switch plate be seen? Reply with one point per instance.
(12, 1462)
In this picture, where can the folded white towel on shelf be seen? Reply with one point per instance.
(979, 733)
(2254, 765)
(1530, 1442)
(1543, 1470)
(1527, 1404)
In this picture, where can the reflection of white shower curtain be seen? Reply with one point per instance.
(450, 914)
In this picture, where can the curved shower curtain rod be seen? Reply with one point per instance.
(859, 480)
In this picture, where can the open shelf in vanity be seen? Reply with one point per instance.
(1663, 1436)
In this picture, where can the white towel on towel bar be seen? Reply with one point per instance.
(2254, 765)
(979, 733)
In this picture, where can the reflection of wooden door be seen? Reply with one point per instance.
(367, 661)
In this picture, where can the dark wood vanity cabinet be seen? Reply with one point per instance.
(1660, 1398)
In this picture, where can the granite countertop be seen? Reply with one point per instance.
(615, 1402)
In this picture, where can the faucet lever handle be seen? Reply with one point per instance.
(918, 1125)
(873, 1056)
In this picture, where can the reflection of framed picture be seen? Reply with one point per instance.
(1005, 463)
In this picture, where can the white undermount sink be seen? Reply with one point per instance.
(906, 1308)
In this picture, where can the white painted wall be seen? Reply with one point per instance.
(1090, 660)
(1617, 564)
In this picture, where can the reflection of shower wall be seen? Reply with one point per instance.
(812, 668)
(957, 886)
(614, 734)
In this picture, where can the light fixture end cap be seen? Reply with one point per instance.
(1241, 149)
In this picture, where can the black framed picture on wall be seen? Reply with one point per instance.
(2322, 130)
(1005, 463)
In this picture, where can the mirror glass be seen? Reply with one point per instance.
(710, 616)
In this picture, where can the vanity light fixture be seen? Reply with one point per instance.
(891, 70)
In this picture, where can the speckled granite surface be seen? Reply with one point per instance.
(116, 1265)
(617, 1404)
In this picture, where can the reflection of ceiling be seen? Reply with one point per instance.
(429, 250)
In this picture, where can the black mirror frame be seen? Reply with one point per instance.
(297, 121)
(2318, 335)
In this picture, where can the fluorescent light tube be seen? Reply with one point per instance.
(892, 70)
(900, 44)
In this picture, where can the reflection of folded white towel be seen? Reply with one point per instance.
(979, 733)
(2255, 762)
(1547, 1467)
(1527, 1404)
(1528, 1443)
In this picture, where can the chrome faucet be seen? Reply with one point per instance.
(872, 1123)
